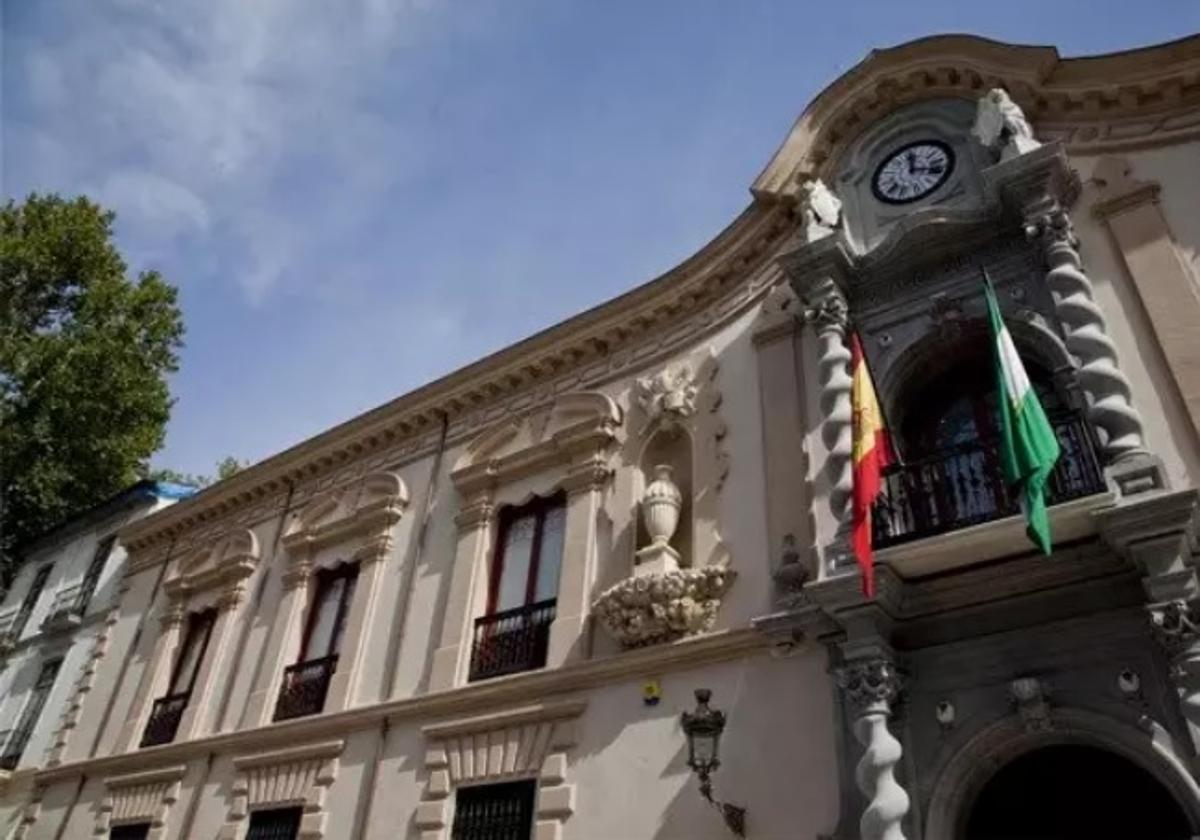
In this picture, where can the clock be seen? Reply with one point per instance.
(912, 172)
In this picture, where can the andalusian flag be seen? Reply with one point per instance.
(1028, 447)
(870, 453)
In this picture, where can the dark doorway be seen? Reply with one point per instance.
(1075, 792)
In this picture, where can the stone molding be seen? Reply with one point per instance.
(709, 290)
(1092, 103)
(300, 776)
(332, 516)
(83, 687)
(140, 798)
(532, 742)
(222, 564)
(531, 686)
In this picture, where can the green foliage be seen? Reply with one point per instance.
(85, 351)
(226, 467)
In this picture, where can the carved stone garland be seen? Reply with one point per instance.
(870, 687)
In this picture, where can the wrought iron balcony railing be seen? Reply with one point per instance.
(66, 609)
(964, 486)
(305, 685)
(164, 719)
(511, 641)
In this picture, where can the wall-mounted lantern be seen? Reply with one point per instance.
(703, 728)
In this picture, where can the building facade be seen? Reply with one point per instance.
(56, 626)
(480, 610)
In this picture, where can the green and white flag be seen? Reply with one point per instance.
(1028, 447)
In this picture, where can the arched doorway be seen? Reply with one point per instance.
(1072, 792)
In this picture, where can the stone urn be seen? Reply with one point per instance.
(661, 504)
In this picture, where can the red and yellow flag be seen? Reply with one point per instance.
(870, 453)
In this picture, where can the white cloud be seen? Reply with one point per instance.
(192, 116)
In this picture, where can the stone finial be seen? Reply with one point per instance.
(1000, 125)
(820, 209)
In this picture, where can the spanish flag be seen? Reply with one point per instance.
(870, 453)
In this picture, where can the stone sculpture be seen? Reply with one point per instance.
(1000, 125)
(821, 210)
(660, 511)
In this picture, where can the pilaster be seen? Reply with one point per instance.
(466, 579)
(155, 677)
(585, 483)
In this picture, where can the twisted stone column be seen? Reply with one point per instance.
(829, 314)
(871, 686)
(1176, 626)
(1111, 406)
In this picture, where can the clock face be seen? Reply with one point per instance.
(912, 172)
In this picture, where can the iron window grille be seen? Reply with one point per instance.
(274, 824)
(494, 812)
(133, 831)
(964, 485)
(514, 633)
(306, 683)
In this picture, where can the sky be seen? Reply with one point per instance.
(356, 197)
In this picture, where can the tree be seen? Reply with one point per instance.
(226, 467)
(85, 351)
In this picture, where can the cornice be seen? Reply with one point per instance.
(518, 690)
(535, 713)
(1090, 104)
(703, 293)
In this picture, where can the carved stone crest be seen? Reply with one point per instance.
(1030, 696)
(668, 397)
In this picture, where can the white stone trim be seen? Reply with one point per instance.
(532, 743)
(140, 798)
(299, 776)
(83, 687)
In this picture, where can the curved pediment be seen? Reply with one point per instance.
(222, 562)
(378, 500)
(1052, 91)
(577, 421)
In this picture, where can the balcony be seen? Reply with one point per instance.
(511, 641)
(964, 486)
(66, 610)
(164, 719)
(305, 685)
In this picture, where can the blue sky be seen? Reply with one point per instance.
(356, 197)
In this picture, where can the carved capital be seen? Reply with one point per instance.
(475, 514)
(297, 574)
(870, 685)
(830, 310)
(1174, 625)
(1054, 228)
(173, 615)
(586, 476)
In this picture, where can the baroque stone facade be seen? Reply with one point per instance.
(533, 563)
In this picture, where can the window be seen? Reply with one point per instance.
(306, 683)
(19, 738)
(529, 555)
(31, 598)
(87, 588)
(494, 812)
(135, 831)
(514, 633)
(274, 824)
(168, 710)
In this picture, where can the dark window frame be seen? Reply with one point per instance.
(129, 831)
(539, 507)
(91, 577)
(29, 602)
(325, 579)
(286, 824)
(200, 621)
(31, 713)
(519, 795)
